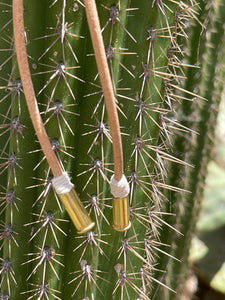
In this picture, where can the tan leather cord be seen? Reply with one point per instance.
(19, 36)
(100, 56)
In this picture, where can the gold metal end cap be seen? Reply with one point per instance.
(121, 216)
(77, 211)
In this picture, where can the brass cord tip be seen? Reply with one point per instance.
(120, 190)
(121, 216)
(77, 211)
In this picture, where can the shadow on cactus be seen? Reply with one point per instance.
(154, 51)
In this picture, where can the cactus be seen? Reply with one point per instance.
(152, 49)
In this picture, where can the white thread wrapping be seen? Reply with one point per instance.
(121, 188)
(62, 183)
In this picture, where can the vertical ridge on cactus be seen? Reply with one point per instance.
(152, 49)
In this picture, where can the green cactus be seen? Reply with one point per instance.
(152, 49)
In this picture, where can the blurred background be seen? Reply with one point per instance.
(207, 255)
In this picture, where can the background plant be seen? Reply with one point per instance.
(160, 90)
